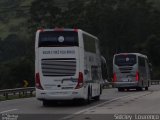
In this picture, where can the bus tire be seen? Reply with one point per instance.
(89, 97)
(97, 98)
(146, 88)
(120, 89)
(139, 89)
(45, 103)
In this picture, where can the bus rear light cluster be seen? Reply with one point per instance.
(114, 77)
(58, 29)
(137, 76)
(80, 81)
(75, 30)
(37, 81)
(41, 30)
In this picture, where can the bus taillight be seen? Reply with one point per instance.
(114, 77)
(80, 81)
(75, 30)
(41, 30)
(58, 29)
(137, 76)
(37, 81)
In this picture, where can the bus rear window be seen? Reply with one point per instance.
(58, 38)
(125, 60)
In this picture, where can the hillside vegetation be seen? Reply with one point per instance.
(121, 26)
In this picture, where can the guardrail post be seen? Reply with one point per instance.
(19, 94)
(31, 92)
(6, 95)
(25, 93)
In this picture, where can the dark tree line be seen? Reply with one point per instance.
(121, 26)
(16, 62)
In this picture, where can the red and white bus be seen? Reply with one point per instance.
(67, 65)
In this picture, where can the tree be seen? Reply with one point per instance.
(121, 25)
(43, 14)
(13, 72)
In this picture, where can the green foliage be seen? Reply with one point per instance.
(13, 72)
(16, 62)
(13, 15)
(16, 47)
(43, 14)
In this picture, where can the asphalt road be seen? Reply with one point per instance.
(112, 103)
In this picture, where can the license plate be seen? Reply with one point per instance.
(125, 79)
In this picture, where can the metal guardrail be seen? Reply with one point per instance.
(155, 82)
(30, 90)
(110, 84)
(19, 91)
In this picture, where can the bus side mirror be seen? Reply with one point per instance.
(150, 66)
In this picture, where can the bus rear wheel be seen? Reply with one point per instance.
(139, 89)
(97, 98)
(46, 103)
(146, 88)
(89, 97)
(120, 89)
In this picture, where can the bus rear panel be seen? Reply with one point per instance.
(128, 73)
(58, 73)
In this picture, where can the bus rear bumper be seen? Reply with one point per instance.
(125, 84)
(59, 94)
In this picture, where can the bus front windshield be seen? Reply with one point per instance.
(58, 38)
(125, 60)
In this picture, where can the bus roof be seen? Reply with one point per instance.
(137, 54)
(66, 29)
(57, 29)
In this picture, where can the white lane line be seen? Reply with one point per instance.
(6, 111)
(109, 101)
(106, 102)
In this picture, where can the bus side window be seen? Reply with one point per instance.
(141, 62)
(89, 44)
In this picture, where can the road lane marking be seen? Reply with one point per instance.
(106, 102)
(6, 111)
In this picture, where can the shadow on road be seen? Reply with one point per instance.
(71, 103)
(132, 90)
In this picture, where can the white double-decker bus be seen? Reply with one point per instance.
(131, 70)
(67, 65)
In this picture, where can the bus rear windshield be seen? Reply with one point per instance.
(58, 38)
(125, 60)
